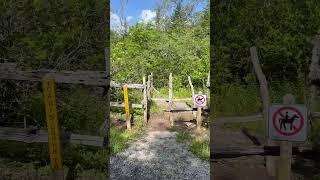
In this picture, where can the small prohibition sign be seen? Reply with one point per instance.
(281, 119)
(200, 100)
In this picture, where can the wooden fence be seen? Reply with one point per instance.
(146, 87)
(273, 148)
(9, 71)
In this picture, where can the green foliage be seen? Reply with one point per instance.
(119, 139)
(81, 110)
(201, 149)
(182, 50)
(235, 99)
(59, 35)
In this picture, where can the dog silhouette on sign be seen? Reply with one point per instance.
(200, 99)
(287, 120)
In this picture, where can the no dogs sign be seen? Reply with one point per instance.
(288, 122)
(200, 100)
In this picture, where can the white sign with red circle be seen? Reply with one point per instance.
(200, 100)
(288, 122)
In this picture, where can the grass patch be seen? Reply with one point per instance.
(316, 177)
(119, 139)
(199, 146)
(154, 108)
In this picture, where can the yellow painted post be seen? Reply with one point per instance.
(53, 124)
(126, 106)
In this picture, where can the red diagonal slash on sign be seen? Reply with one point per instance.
(294, 127)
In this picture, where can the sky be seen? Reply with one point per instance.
(136, 11)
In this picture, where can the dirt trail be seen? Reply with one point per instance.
(157, 155)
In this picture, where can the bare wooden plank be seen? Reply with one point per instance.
(121, 104)
(41, 136)
(234, 152)
(130, 86)
(237, 119)
(97, 78)
(316, 114)
(7, 66)
(87, 140)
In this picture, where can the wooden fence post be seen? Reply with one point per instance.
(270, 161)
(170, 88)
(171, 116)
(54, 142)
(192, 91)
(126, 106)
(208, 88)
(145, 101)
(149, 87)
(199, 118)
(151, 84)
(284, 163)
(191, 86)
(313, 74)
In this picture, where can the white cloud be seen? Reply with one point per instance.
(147, 16)
(129, 18)
(115, 21)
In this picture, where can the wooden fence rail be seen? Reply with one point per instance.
(30, 135)
(96, 78)
(121, 104)
(130, 86)
(242, 119)
(233, 152)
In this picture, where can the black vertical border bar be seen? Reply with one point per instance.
(214, 12)
(107, 69)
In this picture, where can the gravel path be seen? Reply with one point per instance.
(157, 155)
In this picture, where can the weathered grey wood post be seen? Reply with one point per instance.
(199, 118)
(151, 84)
(208, 88)
(314, 73)
(149, 87)
(170, 88)
(145, 101)
(192, 91)
(191, 86)
(270, 161)
(284, 163)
